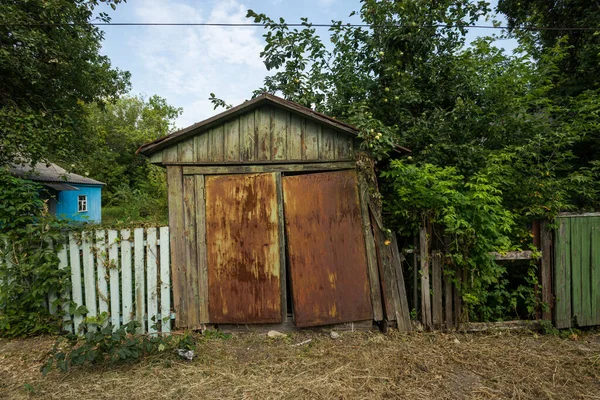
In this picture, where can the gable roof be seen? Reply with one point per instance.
(50, 172)
(265, 98)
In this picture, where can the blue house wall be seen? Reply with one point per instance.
(67, 205)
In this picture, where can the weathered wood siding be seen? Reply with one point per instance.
(268, 133)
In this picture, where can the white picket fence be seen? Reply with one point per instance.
(123, 274)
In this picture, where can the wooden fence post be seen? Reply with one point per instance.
(425, 288)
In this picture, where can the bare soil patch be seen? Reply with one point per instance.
(355, 366)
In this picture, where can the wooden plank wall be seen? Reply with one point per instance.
(266, 134)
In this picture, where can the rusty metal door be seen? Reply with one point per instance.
(326, 249)
(242, 235)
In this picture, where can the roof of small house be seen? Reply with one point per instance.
(265, 98)
(51, 175)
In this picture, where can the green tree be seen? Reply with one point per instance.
(50, 66)
(114, 132)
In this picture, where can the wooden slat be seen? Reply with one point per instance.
(76, 291)
(170, 154)
(201, 249)
(512, 255)
(562, 277)
(448, 317)
(371, 253)
(263, 117)
(63, 263)
(89, 279)
(101, 261)
(546, 270)
(295, 137)
(156, 158)
(327, 144)
(191, 264)
(425, 287)
(151, 281)
(231, 131)
(176, 232)
(186, 151)
(201, 147)
(282, 250)
(343, 144)
(386, 281)
(216, 144)
(595, 265)
(279, 134)
(437, 297)
(113, 271)
(312, 132)
(252, 169)
(457, 300)
(138, 268)
(576, 278)
(247, 137)
(165, 281)
(586, 276)
(126, 277)
(403, 319)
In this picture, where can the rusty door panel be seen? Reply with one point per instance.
(242, 237)
(326, 249)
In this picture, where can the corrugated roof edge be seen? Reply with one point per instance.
(180, 135)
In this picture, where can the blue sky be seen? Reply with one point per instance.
(185, 64)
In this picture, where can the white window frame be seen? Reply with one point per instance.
(82, 203)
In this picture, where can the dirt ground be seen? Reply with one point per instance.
(354, 366)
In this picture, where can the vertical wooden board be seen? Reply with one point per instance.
(113, 271)
(263, 117)
(448, 317)
(138, 268)
(247, 137)
(201, 249)
(279, 136)
(231, 131)
(387, 282)
(170, 154)
(403, 320)
(546, 270)
(156, 158)
(151, 281)
(282, 251)
(102, 275)
(63, 263)
(562, 248)
(52, 295)
(576, 278)
(201, 147)
(191, 263)
(295, 139)
(186, 151)
(372, 268)
(242, 234)
(436, 298)
(216, 147)
(327, 144)
(595, 265)
(312, 133)
(586, 275)
(76, 287)
(177, 244)
(126, 277)
(425, 285)
(343, 144)
(326, 249)
(165, 281)
(89, 277)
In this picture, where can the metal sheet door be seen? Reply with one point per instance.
(326, 249)
(242, 234)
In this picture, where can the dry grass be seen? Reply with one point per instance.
(355, 366)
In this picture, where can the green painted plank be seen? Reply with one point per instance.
(595, 264)
(576, 275)
(586, 272)
(562, 285)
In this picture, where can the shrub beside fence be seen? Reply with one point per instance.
(119, 275)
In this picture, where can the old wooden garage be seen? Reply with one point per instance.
(269, 221)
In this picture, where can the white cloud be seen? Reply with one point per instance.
(184, 64)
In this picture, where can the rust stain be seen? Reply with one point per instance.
(326, 249)
(242, 236)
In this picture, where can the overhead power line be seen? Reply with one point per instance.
(292, 25)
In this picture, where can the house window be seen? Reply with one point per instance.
(82, 203)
